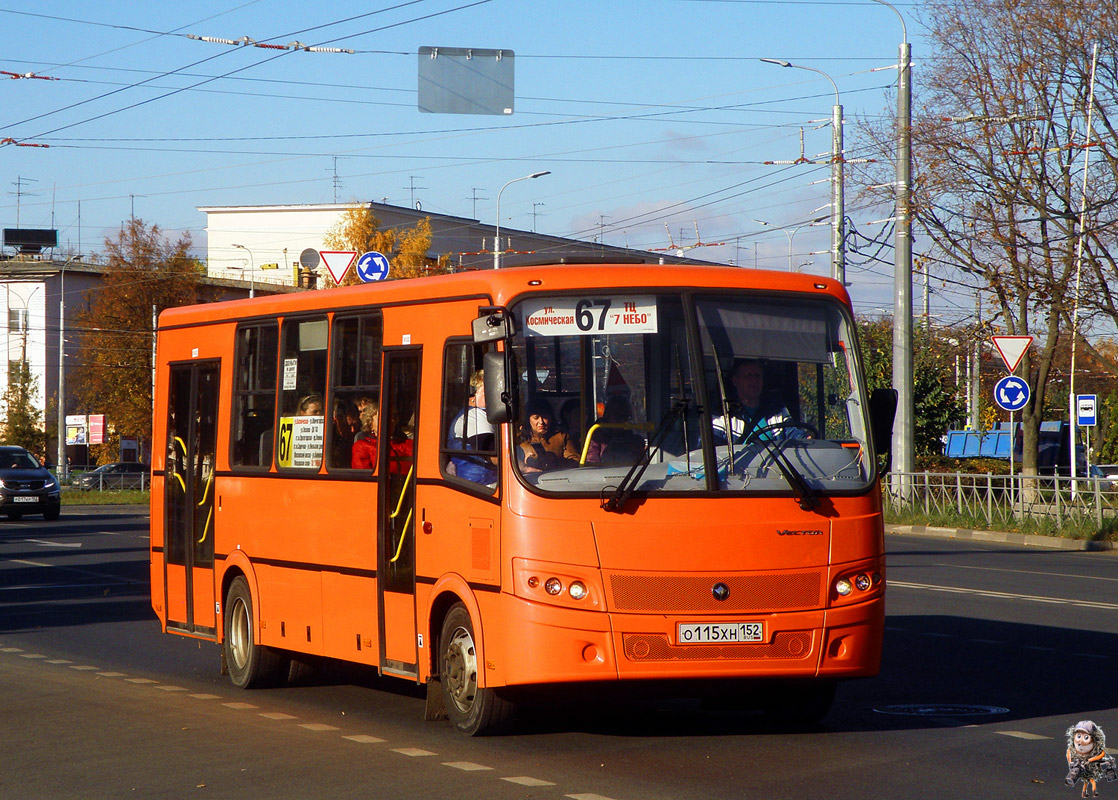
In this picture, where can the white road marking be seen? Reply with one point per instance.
(1004, 595)
(111, 674)
(171, 688)
(362, 738)
(204, 696)
(412, 751)
(28, 563)
(45, 543)
(1021, 735)
(1076, 576)
(318, 726)
(278, 715)
(466, 766)
(523, 780)
(240, 706)
(83, 667)
(141, 681)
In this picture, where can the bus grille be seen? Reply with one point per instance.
(656, 647)
(674, 594)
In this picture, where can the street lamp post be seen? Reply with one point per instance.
(791, 234)
(61, 469)
(251, 271)
(838, 178)
(497, 227)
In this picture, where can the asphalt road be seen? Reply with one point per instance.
(991, 653)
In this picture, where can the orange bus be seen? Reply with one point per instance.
(496, 481)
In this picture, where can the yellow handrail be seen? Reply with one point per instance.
(630, 426)
(403, 492)
(404, 535)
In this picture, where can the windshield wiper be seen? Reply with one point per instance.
(806, 497)
(620, 496)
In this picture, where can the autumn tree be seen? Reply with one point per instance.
(998, 147)
(406, 248)
(146, 273)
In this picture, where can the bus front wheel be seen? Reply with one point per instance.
(474, 710)
(250, 665)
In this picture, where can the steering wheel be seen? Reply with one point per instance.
(758, 432)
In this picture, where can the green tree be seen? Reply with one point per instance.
(938, 405)
(22, 424)
(146, 273)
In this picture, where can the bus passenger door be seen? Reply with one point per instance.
(189, 498)
(399, 405)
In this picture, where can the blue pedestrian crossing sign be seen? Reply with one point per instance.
(372, 266)
(1011, 393)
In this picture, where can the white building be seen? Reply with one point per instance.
(277, 235)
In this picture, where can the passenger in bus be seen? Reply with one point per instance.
(471, 430)
(341, 445)
(542, 445)
(615, 445)
(312, 406)
(569, 421)
(365, 447)
(753, 411)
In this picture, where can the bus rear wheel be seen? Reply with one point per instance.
(474, 710)
(250, 665)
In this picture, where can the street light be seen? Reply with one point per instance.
(838, 189)
(61, 470)
(497, 228)
(790, 234)
(251, 271)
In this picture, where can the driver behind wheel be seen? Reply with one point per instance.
(753, 413)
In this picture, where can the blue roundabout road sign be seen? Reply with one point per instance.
(1011, 393)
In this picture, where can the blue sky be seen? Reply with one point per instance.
(653, 116)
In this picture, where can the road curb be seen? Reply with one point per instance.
(1003, 537)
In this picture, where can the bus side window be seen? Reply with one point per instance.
(254, 394)
(302, 418)
(470, 441)
(355, 384)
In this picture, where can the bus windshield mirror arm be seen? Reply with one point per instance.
(620, 496)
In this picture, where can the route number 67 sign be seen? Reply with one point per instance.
(589, 316)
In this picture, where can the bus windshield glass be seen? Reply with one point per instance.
(688, 393)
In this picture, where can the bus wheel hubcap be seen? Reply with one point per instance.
(460, 669)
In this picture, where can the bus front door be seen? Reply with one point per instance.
(399, 404)
(188, 482)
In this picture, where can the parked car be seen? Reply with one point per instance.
(121, 475)
(25, 485)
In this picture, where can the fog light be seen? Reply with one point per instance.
(843, 587)
(577, 590)
(862, 581)
(533, 582)
(553, 586)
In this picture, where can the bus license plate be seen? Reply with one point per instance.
(18, 499)
(720, 632)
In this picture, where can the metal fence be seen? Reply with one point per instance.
(1041, 498)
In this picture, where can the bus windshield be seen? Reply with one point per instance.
(689, 393)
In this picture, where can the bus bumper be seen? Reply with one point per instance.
(558, 645)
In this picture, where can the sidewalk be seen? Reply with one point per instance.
(1002, 537)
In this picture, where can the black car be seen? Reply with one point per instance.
(120, 475)
(25, 486)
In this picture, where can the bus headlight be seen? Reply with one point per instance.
(843, 587)
(558, 584)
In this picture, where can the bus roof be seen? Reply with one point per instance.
(501, 287)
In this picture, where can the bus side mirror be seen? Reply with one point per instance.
(498, 394)
(493, 323)
(883, 409)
